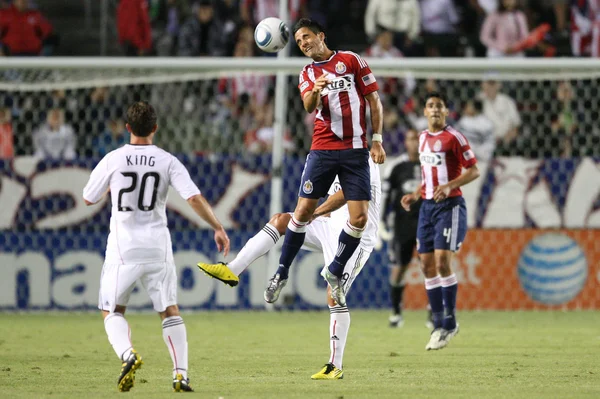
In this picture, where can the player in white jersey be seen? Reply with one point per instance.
(321, 236)
(138, 176)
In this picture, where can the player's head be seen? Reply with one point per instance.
(435, 110)
(411, 141)
(141, 119)
(310, 38)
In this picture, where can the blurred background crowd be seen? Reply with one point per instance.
(534, 119)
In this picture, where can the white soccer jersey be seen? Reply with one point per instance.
(139, 177)
(341, 216)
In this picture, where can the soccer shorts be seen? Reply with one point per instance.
(351, 166)
(323, 236)
(442, 225)
(118, 281)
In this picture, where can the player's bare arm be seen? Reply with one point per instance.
(204, 210)
(409, 199)
(440, 193)
(333, 202)
(377, 151)
(311, 98)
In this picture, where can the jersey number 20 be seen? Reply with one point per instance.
(134, 180)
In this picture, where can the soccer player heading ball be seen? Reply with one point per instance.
(442, 226)
(338, 85)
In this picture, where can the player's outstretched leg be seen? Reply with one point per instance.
(339, 325)
(257, 246)
(221, 272)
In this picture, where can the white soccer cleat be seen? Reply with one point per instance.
(337, 290)
(396, 321)
(435, 341)
(447, 335)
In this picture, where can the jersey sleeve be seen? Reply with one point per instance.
(181, 181)
(463, 151)
(304, 83)
(365, 80)
(98, 183)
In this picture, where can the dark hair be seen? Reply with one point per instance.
(478, 105)
(311, 24)
(141, 118)
(435, 94)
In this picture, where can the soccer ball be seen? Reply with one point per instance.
(271, 35)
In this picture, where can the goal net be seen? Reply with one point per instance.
(534, 218)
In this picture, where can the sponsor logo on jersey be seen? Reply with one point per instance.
(342, 83)
(340, 67)
(468, 155)
(307, 187)
(437, 146)
(303, 86)
(430, 159)
(368, 79)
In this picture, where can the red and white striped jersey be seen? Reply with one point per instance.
(340, 122)
(443, 155)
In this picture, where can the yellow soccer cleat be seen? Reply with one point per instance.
(221, 272)
(329, 372)
(128, 369)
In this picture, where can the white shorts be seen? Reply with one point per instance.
(118, 281)
(323, 236)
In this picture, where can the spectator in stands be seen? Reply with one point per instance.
(384, 47)
(7, 149)
(167, 16)
(504, 29)
(564, 124)
(439, 22)
(478, 129)
(402, 18)
(54, 139)
(133, 26)
(502, 111)
(260, 140)
(112, 138)
(204, 34)
(25, 31)
(585, 28)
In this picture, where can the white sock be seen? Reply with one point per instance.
(119, 334)
(339, 324)
(256, 247)
(175, 337)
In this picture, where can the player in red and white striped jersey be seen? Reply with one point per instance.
(338, 85)
(442, 226)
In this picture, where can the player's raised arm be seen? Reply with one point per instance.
(204, 210)
(377, 151)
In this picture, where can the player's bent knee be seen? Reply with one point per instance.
(359, 221)
(170, 311)
(280, 221)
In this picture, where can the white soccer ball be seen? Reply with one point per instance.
(271, 35)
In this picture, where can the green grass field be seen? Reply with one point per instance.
(272, 355)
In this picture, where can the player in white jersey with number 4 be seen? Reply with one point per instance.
(138, 176)
(321, 236)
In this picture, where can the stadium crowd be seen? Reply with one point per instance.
(556, 119)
